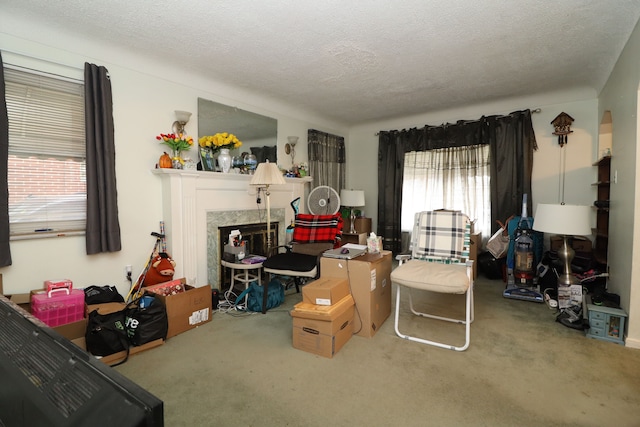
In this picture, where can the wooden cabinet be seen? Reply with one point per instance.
(606, 323)
(601, 232)
(362, 225)
(356, 238)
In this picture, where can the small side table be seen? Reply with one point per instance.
(244, 276)
(356, 238)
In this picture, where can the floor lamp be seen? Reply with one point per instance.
(565, 220)
(267, 174)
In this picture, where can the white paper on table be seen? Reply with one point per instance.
(354, 246)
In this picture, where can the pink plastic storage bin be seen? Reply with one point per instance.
(59, 306)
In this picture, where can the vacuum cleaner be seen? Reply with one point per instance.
(521, 277)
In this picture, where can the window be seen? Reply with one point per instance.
(449, 178)
(47, 154)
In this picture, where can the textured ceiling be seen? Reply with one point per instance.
(358, 61)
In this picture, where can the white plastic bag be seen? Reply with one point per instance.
(498, 244)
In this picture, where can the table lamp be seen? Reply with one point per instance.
(565, 220)
(267, 174)
(352, 199)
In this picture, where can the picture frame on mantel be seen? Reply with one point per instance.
(207, 159)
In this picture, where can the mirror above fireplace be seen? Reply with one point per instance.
(254, 130)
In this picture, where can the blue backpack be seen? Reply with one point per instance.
(275, 295)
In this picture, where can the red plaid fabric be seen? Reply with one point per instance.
(317, 228)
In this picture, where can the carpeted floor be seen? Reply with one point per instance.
(521, 369)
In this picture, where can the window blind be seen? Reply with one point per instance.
(47, 154)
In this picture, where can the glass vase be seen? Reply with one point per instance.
(224, 160)
(250, 163)
(176, 160)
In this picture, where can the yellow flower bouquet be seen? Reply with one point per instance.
(220, 140)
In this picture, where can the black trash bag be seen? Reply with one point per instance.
(106, 333)
(490, 266)
(101, 294)
(146, 320)
(572, 317)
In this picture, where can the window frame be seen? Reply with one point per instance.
(424, 174)
(55, 105)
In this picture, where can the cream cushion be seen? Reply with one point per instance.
(432, 276)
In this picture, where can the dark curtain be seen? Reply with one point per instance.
(512, 142)
(265, 153)
(326, 159)
(103, 227)
(5, 251)
(391, 148)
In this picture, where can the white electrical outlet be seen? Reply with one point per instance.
(127, 272)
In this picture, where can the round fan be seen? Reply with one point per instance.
(323, 200)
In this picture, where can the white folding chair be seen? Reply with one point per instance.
(439, 262)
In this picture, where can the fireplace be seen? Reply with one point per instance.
(195, 204)
(219, 222)
(255, 238)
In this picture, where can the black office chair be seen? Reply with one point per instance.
(313, 234)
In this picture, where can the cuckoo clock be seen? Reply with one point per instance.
(562, 126)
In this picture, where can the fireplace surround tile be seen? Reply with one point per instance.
(217, 219)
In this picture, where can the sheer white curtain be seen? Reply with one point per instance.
(449, 178)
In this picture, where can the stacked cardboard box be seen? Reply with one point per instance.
(323, 321)
(369, 278)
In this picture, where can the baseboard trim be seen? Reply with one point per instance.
(633, 343)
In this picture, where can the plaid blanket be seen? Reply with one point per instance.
(442, 235)
(317, 228)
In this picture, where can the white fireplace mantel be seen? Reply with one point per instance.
(188, 196)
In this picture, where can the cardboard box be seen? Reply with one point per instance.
(234, 253)
(188, 309)
(76, 331)
(325, 291)
(321, 329)
(370, 281)
(106, 307)
(116, 357)
(112, 307)
(23, 300)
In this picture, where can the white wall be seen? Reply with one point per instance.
(620, 97)
(145, 95)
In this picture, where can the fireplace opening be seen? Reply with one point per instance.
(255, 237)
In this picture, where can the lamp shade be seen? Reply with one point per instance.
(352, 198)
(183, 116)
(570, 220)
(267, 174)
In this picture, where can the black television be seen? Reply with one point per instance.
(46, 380)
